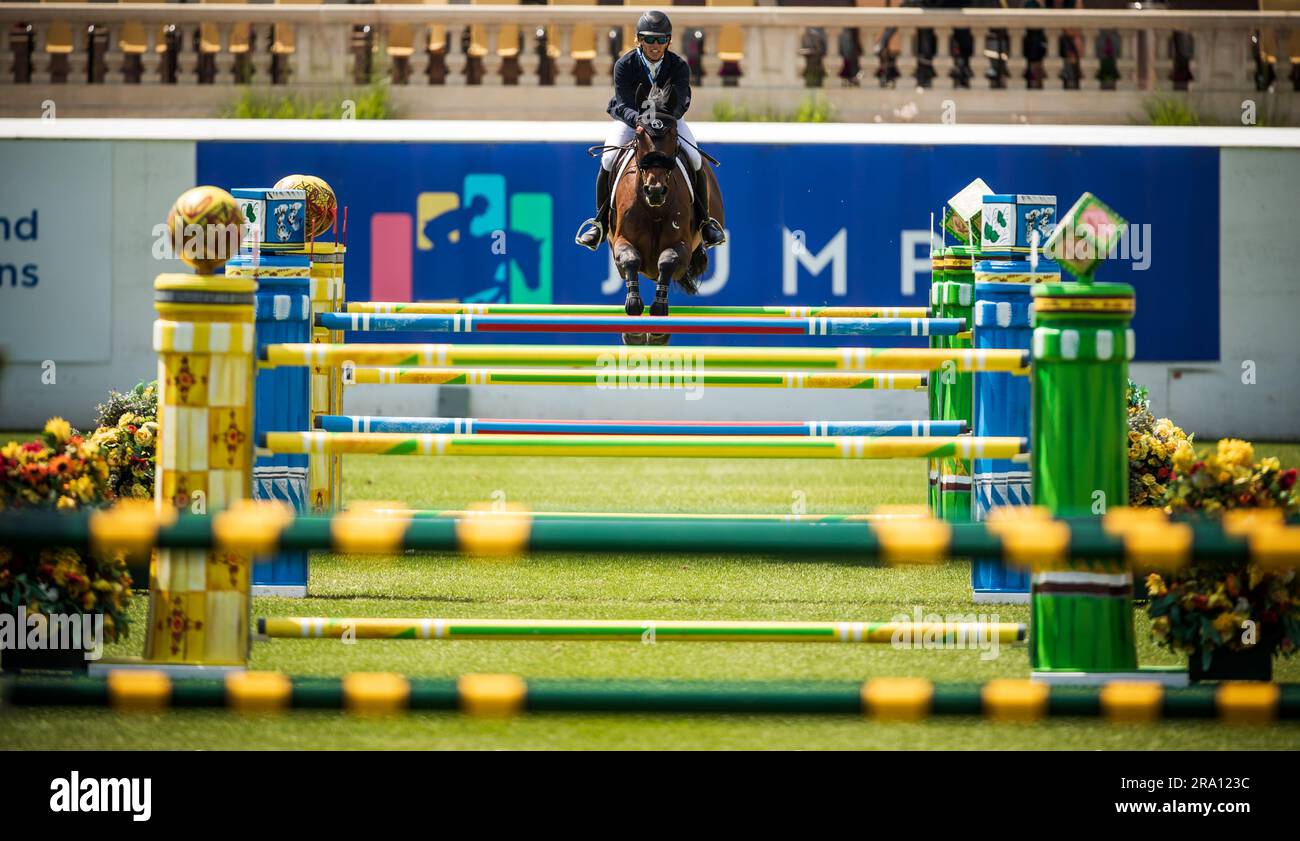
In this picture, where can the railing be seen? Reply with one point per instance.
(989, 62)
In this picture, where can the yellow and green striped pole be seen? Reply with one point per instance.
(642, 630)
(204, 336)
(504, 695)
(662, 446)
(638, 379)
(617, 358)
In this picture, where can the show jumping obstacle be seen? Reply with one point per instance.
(503, 426)
(640, 630)
(451, 308)
(504, 695)
(1080, 573)
(771, 326)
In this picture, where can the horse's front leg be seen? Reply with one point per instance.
(672, 264)
(628, 260)
(629, 267)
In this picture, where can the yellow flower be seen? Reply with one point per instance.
(1270, 463)
(66, 503)
(1156, 585)
(59, 429)
(1226, 625)
(1148, 480)
(83, 488)
(126, 420)
(11, 450)
(144, 436)
(1235, 452)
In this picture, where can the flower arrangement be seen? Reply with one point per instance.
(1207, 606)
(64, 471)
(126, 435)
(1152, 446)
(1230, 478)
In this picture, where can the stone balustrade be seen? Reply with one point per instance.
(468, 61)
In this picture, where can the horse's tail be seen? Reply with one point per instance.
(690, 282)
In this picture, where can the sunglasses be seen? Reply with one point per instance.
(656, 39)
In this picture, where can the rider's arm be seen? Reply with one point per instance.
(681, 83)
(622, 107)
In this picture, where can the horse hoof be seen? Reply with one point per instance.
(659, 308)
(657, 338)
(633, 306)
(634, 338)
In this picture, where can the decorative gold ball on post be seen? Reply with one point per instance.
(205, 226)
(322, 206)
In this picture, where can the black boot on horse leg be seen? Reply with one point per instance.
(592, 232)
(710, 230)
(670, 261)
(629, 267)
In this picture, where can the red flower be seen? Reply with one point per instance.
(33, 446)
(1288, 479)
(1196, 467)
(1163, 473)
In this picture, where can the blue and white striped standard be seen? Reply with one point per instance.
(489, 426)
(281, 395)
(474, 323)
(1003, 315)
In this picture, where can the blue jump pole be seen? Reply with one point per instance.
(471, 323)
(490, 426)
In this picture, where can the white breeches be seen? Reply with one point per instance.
(621, 133)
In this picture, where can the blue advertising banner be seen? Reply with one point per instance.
(845, 225)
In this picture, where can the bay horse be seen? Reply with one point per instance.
(653, 231)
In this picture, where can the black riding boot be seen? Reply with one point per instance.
(592, 232)
(710, 230)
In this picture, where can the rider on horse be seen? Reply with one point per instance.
(650, 65)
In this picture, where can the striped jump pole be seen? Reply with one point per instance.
(499, 426)
(690, 310)
(586, 356)
(700, 325)
(647, 518)
(638, 630)
(666, 379)
(1029, 537)
(617, 446)
(499, 696)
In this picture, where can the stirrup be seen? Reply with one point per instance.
(600, 231)
(722, 232)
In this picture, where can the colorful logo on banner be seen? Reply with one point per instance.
(482, 244)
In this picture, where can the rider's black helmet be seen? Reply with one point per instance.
(656, 22)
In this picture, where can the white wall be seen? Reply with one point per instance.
(146, 178)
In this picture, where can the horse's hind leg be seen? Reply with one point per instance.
(670, 264)
(629, 266)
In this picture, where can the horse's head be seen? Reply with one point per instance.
(656, 156)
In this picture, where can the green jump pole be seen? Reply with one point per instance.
(505, 695)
